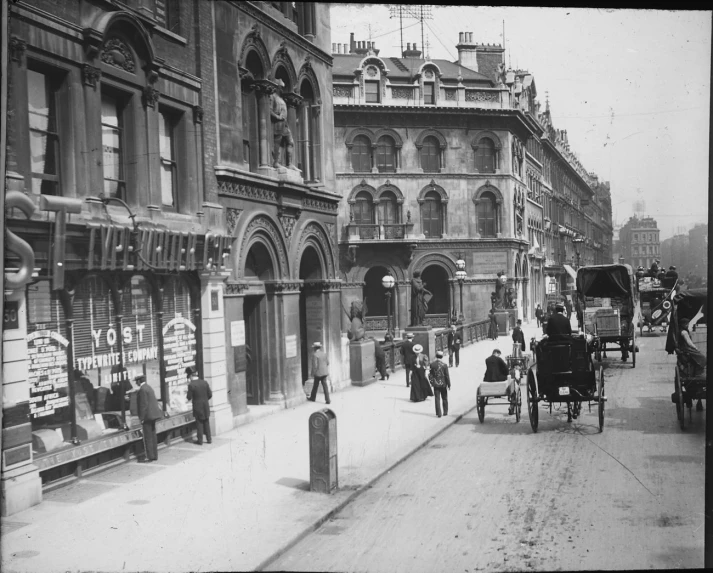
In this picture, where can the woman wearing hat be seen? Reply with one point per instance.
(420, 388)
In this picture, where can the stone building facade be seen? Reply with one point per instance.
(639, 242)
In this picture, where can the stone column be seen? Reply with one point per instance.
(263, 89)
(404, 303)
(332, 296)
(20, 485)
(235, 359)
(214, 343)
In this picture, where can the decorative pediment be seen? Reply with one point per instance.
(116, 53)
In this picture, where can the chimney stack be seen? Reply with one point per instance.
(460, 37)
(467, 51)
(411, 51)
(488, 58)
(346, 49)
(334, 48)
(351, 43)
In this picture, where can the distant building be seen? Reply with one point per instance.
(687, 252)
(639, 243)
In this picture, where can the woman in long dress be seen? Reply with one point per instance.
(493, 331)
(420, 388)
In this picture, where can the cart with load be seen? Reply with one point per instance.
(609, 308)
(690, 373)
(564, 373)
(504, 392)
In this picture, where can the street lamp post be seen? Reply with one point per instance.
(388, 283)
(577, 242)
(460, 275)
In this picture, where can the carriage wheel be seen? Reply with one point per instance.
(532, 408)
(679, 394)
(481, 409)
(600, 393)
(518, 404)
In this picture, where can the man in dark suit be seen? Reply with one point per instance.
(454, 342)
(409, 356)
(199, 393)
(496, 369)
(149, 412)
(558, 325)
(380, 357)
(518, 336)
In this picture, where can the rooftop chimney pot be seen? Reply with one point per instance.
(460, 37)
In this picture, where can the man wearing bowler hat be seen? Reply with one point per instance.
(199, 393)
(320, 371)
(558, 325)
(409, 356)
(149, 412)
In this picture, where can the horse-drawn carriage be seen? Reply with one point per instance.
(564, 373)
(609, 308)
(690, 373)
(655, 297)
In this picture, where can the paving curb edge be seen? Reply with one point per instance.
(316, 524)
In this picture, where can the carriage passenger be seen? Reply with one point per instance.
(558, 325)
(692, 359)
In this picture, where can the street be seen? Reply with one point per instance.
(495, 496)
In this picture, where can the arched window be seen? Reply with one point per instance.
(363, 209)
(388, 209)
(361, 153)
(432, 215)
(386, 155)
(485, 156)
(486, 212)
(430, 155)
(309, 149)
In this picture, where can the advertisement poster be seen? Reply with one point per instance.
(47, 372)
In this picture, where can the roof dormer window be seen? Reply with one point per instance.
(371, 91)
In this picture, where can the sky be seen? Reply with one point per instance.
(631, 87)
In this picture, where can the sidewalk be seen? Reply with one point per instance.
(240, 502)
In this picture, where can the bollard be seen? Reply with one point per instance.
(323, 451)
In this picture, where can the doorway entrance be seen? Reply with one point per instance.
(311, 307)
(436, 279)
(258, 337)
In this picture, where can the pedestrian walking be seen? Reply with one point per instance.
(518, 336)
(380, 357)
(420, 388)
(199, 393)
(539, 314)
(149, 412)
(408, 357)
(493, 331)
(320, 371)
(441, 382)
(454, 342)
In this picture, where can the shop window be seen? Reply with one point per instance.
(363, 209)
(361, 154)
(388, 209)
(42, 92)
(371, 90)
(430, 155)
(167, 157)
(113, 146)
(486, 215)
(432, 215)
(429, 97)
(386, 155)
(485, 156)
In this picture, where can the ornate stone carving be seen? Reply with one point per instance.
(371, 71)
(288, 224)
(117, 54)
(342, 91)
(232, 216)
(264, 224)
(317, 205)
(197, 114)
(91, 75)
(151, 96)
(248, 191)
(234, 288)
(475, 95)
(401, 93)
(332, 229)
(428, 74)
(17, 47)
(450, 95)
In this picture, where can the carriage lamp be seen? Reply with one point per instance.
(388, 283)
(460, 277)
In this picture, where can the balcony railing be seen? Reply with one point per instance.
(371, 232)
(394, 231)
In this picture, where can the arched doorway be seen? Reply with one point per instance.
(258, 334)
(435, 279)
(311, 306)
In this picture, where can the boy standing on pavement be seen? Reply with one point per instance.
(441, 382)
(320, 371)
(199, 393)
(454, 342)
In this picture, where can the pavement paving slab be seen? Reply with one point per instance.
(239, 503)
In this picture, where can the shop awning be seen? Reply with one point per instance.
(570, 271)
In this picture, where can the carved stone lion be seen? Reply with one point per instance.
(356, 315)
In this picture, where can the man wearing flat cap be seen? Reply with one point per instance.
(558, 325)
(320, 371)
(409, 357)
(199, 393)
(149, 412)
